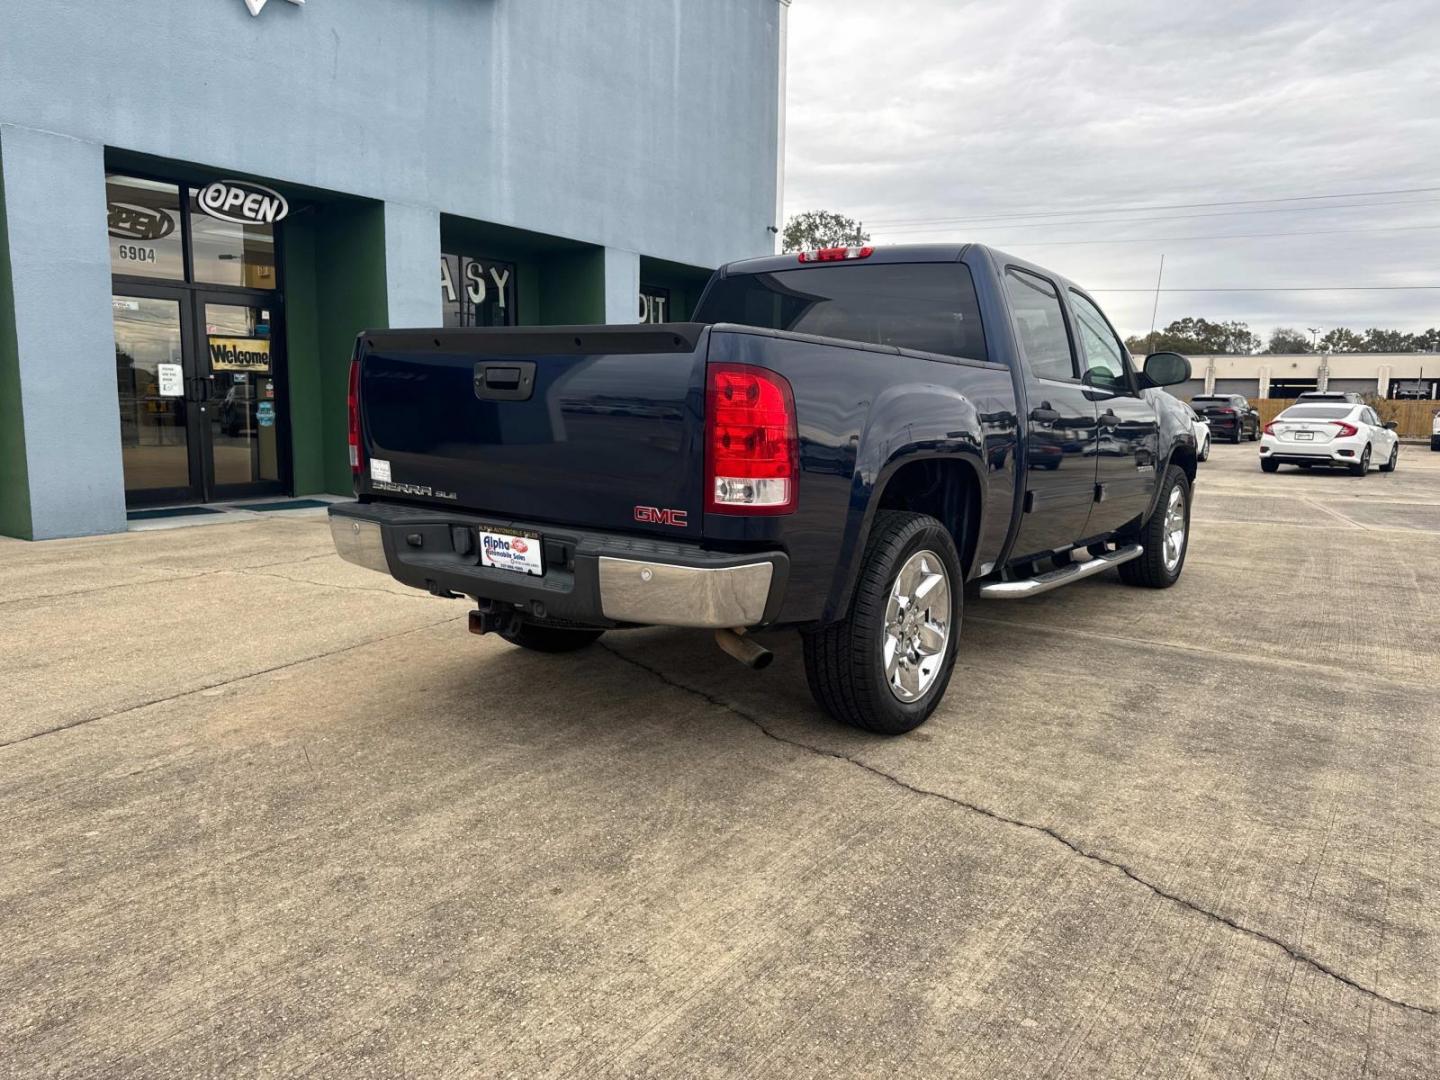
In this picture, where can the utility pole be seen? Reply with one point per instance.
(1322, 376)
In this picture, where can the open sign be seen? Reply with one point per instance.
(128, 221)
(242, 202)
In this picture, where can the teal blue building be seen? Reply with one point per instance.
(202, 203)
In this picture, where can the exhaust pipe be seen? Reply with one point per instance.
(756, 657)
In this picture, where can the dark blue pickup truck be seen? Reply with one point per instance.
(839, 442)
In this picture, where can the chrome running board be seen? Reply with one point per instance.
(1064, 575)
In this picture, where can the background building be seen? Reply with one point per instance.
(1274, 375)
(200, 207)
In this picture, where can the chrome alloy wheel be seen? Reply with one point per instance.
(1174, 529)
(917, 625)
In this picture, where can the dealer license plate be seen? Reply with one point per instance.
(1305, 435)
(511, 551)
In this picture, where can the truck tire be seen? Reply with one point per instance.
(549, 639)
(885, 666)
(1165, 536)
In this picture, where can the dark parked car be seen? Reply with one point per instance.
(1231, 416)
(839, 442)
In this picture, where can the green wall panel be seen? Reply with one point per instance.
(334, 288)
(14, 476)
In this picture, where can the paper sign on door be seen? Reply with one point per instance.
(168, 376)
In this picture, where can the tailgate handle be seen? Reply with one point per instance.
(506, 380)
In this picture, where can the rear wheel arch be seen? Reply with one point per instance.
(947, 489)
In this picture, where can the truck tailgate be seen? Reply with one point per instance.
(588, 425)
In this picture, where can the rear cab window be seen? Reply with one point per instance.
(930, 307)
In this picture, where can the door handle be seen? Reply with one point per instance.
(505, 381)
(1044, 415)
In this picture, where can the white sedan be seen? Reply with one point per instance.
(1329, 435)
(1201, 427)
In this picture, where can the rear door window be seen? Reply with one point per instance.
(1040, 325)
(930, 307)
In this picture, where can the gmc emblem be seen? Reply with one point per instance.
(657, 516)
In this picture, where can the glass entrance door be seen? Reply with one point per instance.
(239, 369)
(200, 383)
(156, 396)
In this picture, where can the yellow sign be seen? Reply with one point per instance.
(239, 354)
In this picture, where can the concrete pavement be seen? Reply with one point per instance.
(265, 813)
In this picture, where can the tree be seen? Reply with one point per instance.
(1197, 337)
(1377, 340)
(1342, 340)
(822, 228)
(1287, 340)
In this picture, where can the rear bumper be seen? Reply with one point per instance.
(591, 579)
(1335, 452)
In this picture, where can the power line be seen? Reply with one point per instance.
(1284, 288)
(1217, 236)
(1161, 206)
(1165, 217)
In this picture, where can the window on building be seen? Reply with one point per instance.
(231, 253)
(1039, 324)
(144, 225)
(655, 304)
(477, 291)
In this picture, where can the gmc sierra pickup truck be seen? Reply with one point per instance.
(840, 441)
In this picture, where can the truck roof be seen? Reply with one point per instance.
(894, 253)
(888, 253)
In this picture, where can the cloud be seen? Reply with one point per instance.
(912, 112)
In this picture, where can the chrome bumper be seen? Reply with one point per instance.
(359, 542)
(599, 588)
(664, 594)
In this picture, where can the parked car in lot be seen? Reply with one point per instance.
(1337, 396)
(1201, 427)
(1345, 435)
(1231, 416)
(838, 442)
(1435, 431)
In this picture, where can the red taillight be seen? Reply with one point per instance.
(1346, 430)
(752, 450)
(1270, 428)
(352, 404)
(836, 254)
(1224, 412)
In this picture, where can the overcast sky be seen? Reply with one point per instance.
(908, 112)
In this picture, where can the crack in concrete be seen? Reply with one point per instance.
(409, 594)
(174, 575)
(760, 725)
(224, 682)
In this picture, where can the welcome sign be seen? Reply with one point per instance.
(239, 354)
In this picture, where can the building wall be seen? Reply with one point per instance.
(585, 140)
(648, 125)
(1253, 376)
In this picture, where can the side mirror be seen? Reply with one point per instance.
(1166, 369)
(1391, 425)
